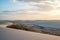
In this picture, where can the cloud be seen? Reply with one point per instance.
(30, 15)
(29, 0)
(13, 0)
(42, 5)
(34, 9)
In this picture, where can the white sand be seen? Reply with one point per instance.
(13, 34)
(4, 25)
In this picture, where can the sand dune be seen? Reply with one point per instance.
(13, 34)
(3, 25)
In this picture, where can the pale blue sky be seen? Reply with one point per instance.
(7, 5)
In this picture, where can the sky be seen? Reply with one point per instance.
(29, 9)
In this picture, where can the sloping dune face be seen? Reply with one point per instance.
(13, 34)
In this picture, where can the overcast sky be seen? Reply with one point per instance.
(29, 9)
